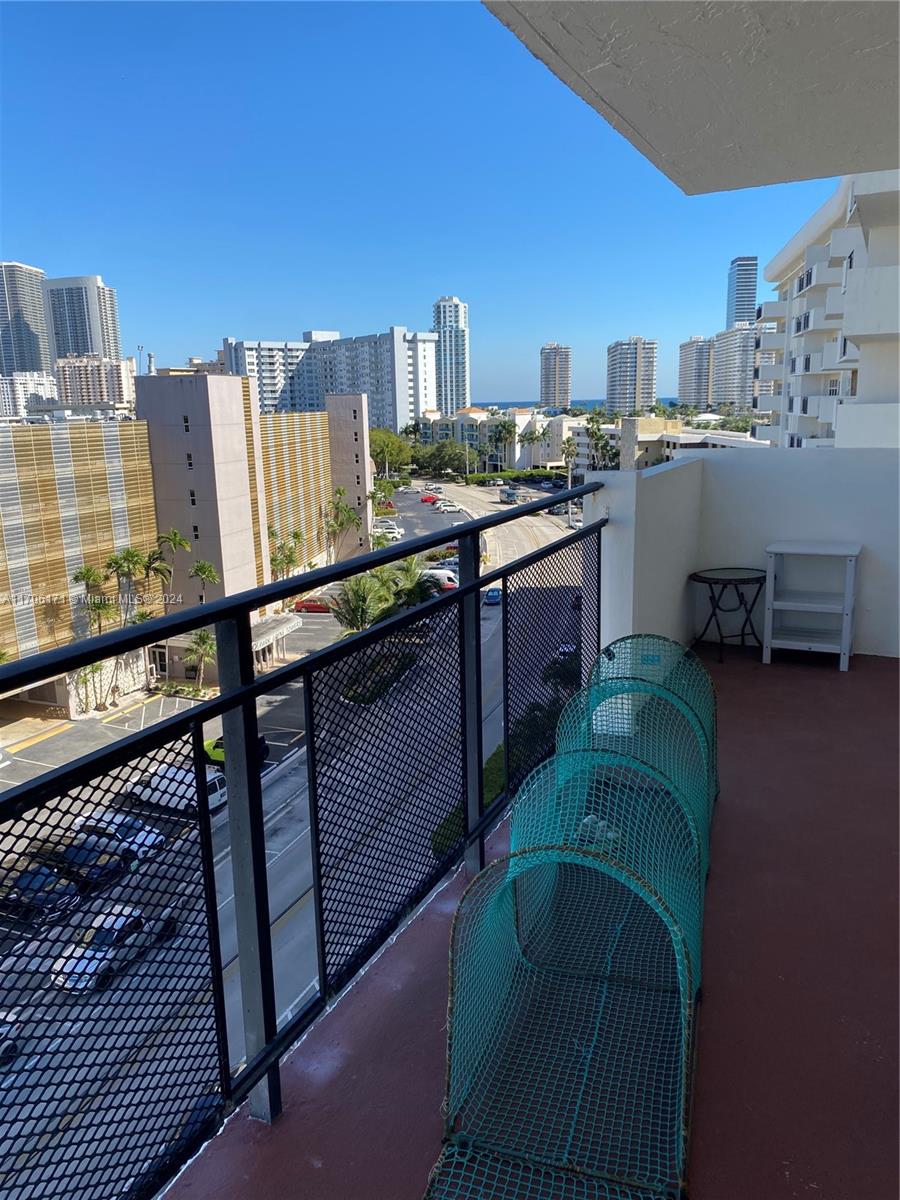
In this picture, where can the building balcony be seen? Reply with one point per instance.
(772, 310)
(871, 305)
(348, 947)
(771, 341)
(834, 302)
(769, 372)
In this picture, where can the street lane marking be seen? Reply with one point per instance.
(125, 711)
(38, 737)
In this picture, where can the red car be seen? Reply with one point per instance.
(428, 498)
(312, 604)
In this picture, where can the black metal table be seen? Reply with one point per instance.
(717, 581)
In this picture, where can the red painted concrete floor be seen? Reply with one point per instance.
(796, 1089)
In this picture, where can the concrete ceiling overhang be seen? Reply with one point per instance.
(729, 95)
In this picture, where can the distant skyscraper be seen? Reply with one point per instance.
(630, 375)
(451, 324)
(94, 383)
(732, 372)
(24, 342)
(82, 317)
(741, 291)
(274, 366)
(695, 372)
(556, 376)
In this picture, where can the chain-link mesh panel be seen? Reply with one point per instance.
(570, 1013)
(648, 732)
(466, 1173)
(389, 781)
(663, 664)
(107, 1030)
(551, 631)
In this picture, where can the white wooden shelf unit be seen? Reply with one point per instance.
(831, 638)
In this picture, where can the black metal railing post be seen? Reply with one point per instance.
(469, 570)
(315, 845)
(248, 859)
(207, 866)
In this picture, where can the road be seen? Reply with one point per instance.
(122, 1067)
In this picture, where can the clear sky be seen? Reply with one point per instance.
(254, 170)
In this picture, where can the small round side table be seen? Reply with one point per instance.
(718, 580)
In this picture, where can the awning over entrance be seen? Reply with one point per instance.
(273, 629)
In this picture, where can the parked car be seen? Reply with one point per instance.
(447, 506)
(447, 579)
(311, 604)
(558, 510)
(32, 890)
(576, 523)
(435, 487)
(88, 861)
(214, 748)
(448, 564)
(392, 535)
(10, 1038)
(123, 830)
(112, 941)
(387, 504)
(492, 596)
(428, 498)
(545, 485)
(174, 788)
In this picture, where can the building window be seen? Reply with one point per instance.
(354, 414)
(833, 387)
(791, 404)
(359, 501)
(356, 459)
(850, 261)
(193, 496)
(187, 425)
(200, 600)
(196, 529)
(357, 481)
(804, 404)
(190, 461)
(805, 362)
(356, 437)
(793, 364)
(843, 347)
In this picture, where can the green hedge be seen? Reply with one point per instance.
(450, 830)
(536, 473)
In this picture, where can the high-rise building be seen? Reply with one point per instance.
(24, 340)
(82, 317)
(273, 365)
(396, 370)
(733, 361)
(556, 375)
(25, 393)
(351, 465)
(89, 382)
(451, 324)
(631, 375)
(695, 372)
(741, 304)
(833, 328)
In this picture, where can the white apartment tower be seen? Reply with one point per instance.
(451, 324)
(733, 360)
(631, 375)
(82, 317)
(834, 329)
(556, 376)
(25, 393)
(741, 304)
(695, 360)
(274, 367)
(24, 341)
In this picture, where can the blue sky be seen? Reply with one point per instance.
(256, 170)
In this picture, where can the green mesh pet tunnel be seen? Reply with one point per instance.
(649, 664)
(572, 987)
(648, 734)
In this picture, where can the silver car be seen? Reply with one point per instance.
(126, 831)
(112, 941)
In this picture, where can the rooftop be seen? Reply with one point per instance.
(796, 1079)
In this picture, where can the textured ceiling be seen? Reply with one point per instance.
(729, 95)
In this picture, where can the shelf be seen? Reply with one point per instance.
(826, 640)
(814, 602)
(827, 549)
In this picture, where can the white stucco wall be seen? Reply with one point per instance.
(707, 510)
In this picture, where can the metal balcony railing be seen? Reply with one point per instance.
(154, 976)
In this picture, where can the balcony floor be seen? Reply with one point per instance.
(796, 1081)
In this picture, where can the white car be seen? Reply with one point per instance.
(111, 942)
(173, 787)
(447, 506)
(126, 831)
(576, 523)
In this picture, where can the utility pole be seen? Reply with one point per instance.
(140, 360)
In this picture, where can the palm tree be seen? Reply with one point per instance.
(379, 541)
(502, 435)
(569, 453)
(156, 568)
(206, 573)
(100, 610)
(173, 541)
(4, 656)
(411, 586)
(337, 518)
(359, 602)
(125, 567)
(201, 650)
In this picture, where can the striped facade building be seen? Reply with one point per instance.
(71, 495)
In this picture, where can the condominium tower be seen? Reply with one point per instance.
(741, 304)
(733, 362)
(273, 365)
(91, 382)
(451, 324)
(556, 376)
(24, 340)
(695, 372)
(631, 375)
(82, 317)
